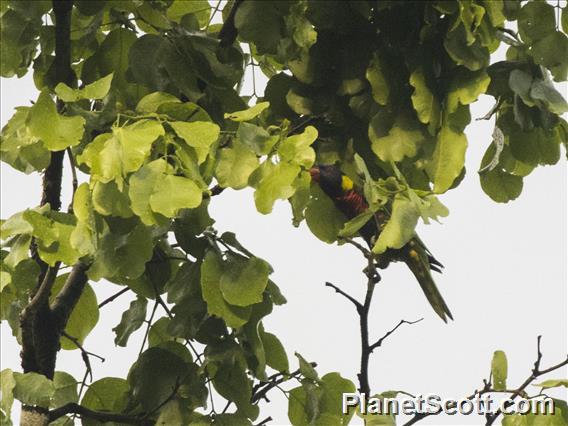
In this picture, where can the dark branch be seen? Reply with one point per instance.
(379, 342)
(228, 33)
(69, 295)
(73, 408)
(515, 393)
(75, 181)
(357, 304)
(113, 297)
(84, 354)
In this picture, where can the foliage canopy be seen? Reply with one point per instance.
(144, 97)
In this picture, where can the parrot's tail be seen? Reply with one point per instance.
(421, 270)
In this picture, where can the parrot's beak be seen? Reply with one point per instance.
(315, 174)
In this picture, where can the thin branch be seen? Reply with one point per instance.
(261, 389)
(379, 342)
(113, 297)
(148, 328)
(357, 304)
(74, 408)
(75, 181)
(84, 353)
(217, 6)
(536, 372)
(358, 246)
(264, 422)
(515, 393)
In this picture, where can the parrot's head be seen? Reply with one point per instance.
(331, 180)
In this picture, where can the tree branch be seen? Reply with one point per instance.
(69, 295)
(357, 304)
(113, 297)
(536, 372)
(74, 408)
(487, 388)
(379, 342)
(228, 33)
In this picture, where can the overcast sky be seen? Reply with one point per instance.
(505, 281)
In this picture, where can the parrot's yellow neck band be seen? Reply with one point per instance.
(346, 183)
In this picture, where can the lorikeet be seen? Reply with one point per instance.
(351, 203)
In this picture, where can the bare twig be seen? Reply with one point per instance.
(75, 181)
(535, 373)
(357, 304)
(358, 246)
(379, 342)
(515, 393)
(113, 297)
(84, 354)
(74, 408)
(264, 421)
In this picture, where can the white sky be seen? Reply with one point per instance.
(505, 281)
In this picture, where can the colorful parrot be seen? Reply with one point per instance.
(341, 189)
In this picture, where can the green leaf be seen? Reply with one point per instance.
(473, 56)
(235, 165)
(247, 114)
(400, 226)
(113, 156)
(536, 20)
(19, 148)
(84, 316)
(65, 389)
(155, 375)
(180, 8)
(352, 227)
(33, 389)
(334, 386)
(520, 82)
(278, 183)
(122, 254)
(244, 280)
(297, 149)
(275, 352)
(425, 103)
(112, 55)
(53, 230)
(448, 159)
(379, 85)
(402, 141)
(307, 370)
(212, 270)
(545, 92)
(553, 383)
(158, 333)
(174, 193)
(131, 320)
(152, 102)
(57, 132)
(96, 90)
(323, 218)
(502, 187)
(499, 371)
(465, 88)
(155, 192)
(232, 383)
(7, 385)
(108, 394)
(108, 200)
(256, 138)
(200, 135)
(260, 23)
